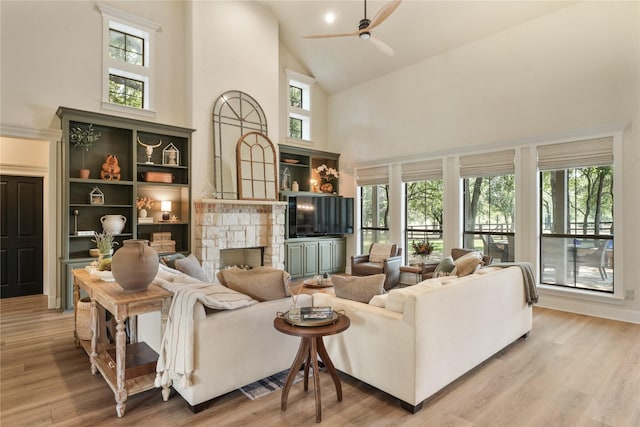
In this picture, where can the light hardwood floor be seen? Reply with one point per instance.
(572, 370)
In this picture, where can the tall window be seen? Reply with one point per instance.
(374, 214)
(576, 215)
(423, 205)
(128, 70)
(489, 204)
(299, 105)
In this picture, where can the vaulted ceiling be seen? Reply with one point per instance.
(417, 30)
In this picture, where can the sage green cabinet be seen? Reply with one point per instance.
(311, 256)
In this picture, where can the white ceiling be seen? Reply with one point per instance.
(417, 30)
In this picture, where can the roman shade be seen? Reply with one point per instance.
(590, 152)
(422, 170)
(487, 164)
(378, 175)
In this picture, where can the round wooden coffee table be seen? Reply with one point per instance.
(311, 344)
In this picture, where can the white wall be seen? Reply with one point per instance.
(576, 68)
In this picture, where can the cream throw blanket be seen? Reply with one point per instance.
(176, 358)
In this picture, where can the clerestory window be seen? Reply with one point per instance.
(299, 105)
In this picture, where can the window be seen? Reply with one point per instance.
(423, 205)
(299, 105)
(128, 71)
(489, 203)
(576, 215)
(374, 214)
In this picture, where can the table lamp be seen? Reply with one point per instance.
(165, 207)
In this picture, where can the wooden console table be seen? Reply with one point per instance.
(122, 305)
(311, 346)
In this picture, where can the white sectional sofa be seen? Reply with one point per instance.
(233, 348)
(421, 338)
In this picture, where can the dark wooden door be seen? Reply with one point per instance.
(20, 236)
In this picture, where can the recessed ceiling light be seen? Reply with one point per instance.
(329, 18)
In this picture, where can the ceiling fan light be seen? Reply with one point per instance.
(366, 35)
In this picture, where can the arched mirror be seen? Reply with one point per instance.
(235, 114)
(256, 165)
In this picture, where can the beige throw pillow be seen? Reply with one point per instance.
(467, 264)
(260, 283)
(358, 288)
(191, 267)
(380, 252)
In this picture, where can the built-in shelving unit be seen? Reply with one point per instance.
(121, 137)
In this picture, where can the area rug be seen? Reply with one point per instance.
(268, 385)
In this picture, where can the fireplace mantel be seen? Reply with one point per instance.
(233, 224)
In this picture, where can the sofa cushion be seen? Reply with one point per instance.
(260, 283)
(398, 297)
(381, 251)
(191, 267)
(379, 300)
(467, 264)
(444, 268)
(170, 260)
(357, 288)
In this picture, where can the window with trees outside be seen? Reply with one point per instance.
(424, 219)
(299, 105)
(374, 214)
(128, 41)
(489, 203)
(576, 215)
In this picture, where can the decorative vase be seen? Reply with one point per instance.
(142, 213)
(84, 173)
(295, 186)
(135, 265)
(113, 224)
(326, 187)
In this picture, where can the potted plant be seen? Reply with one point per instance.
(83, 139)
(104, 242)
(422, 249)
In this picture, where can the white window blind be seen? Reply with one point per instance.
(422, 171)
(591, 152)
(378, 175)
(487, 164)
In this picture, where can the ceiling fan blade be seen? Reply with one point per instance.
(382, 46)
(383, 14)
(326, 36)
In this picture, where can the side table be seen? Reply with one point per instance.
(121, 305)
(417, 273)
(311, 346)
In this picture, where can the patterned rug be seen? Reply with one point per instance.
(268, 385)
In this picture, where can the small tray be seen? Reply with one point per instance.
(309, 323)
(317, 285)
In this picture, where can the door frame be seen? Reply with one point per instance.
(51, 138)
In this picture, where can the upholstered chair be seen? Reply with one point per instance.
(382, 258)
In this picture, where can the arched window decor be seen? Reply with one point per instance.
(235, 114)
(256, 165)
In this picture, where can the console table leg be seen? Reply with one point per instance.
(121, 349)
(94, 336)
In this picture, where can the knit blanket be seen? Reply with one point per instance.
(176, 358)
(530, 288)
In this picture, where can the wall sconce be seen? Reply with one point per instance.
(165, 207)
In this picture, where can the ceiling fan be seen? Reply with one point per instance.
(366, 25)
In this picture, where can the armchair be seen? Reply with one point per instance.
(382, 258)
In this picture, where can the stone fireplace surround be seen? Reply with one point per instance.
(234, 224)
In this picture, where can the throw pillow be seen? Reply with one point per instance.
(170, 260)
(358, 288)
(260, 283)
(444, 268)
(467, 264)
(380, 251)
(191, 267)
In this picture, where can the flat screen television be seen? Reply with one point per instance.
(312, 216)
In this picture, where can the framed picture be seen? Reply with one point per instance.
(170, 155)
(96, 197)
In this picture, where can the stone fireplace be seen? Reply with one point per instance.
(239, 224)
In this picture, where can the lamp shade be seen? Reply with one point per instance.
(165, 206)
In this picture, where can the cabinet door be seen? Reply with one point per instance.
(310, 259)
(67, 282)
(295, 260)
(325, 256)
(339, 256)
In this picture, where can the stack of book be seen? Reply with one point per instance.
(316, 313)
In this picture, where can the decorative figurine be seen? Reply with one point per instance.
(149, 149)
(110, 169)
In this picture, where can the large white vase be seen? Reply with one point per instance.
(113, 224)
